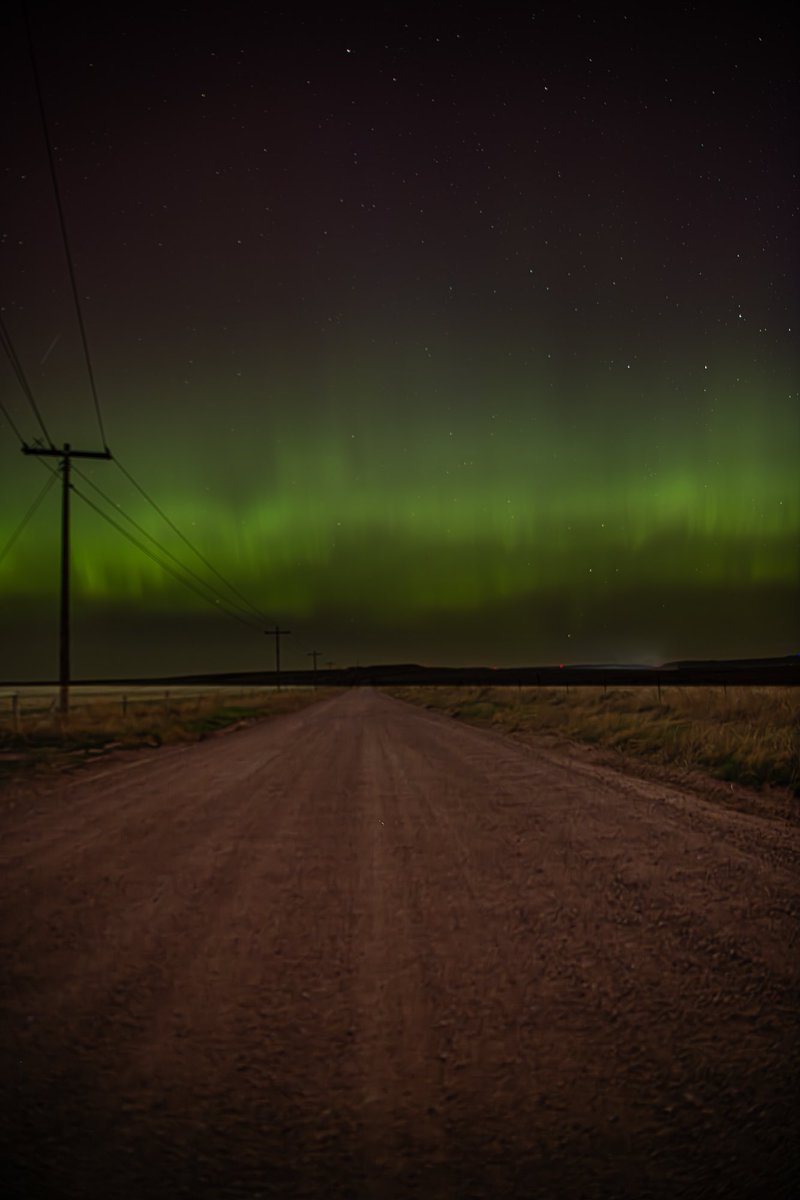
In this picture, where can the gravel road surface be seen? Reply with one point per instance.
(365, 951)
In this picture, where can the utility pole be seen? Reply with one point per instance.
(66, 453)
(315, 654)
(278, 634)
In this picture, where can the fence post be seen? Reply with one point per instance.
(15, 711)
(658, 685)
(124, 706)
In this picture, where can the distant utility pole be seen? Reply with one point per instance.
(278, 634)
(65, 454)
(315, 654)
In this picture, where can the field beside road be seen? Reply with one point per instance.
(742, 735)
(34, 735)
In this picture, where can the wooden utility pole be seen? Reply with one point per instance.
(278, 634)
(315, 654)
(66, 453)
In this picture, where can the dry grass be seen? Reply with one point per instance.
(36, 736)
(748, 735)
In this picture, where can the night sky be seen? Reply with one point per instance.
(445, 338)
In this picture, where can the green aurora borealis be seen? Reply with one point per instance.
(456, 463)
(578, 533)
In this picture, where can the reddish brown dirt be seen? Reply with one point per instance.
(363, 951)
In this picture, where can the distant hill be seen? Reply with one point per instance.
(786, 660)
(783, 671)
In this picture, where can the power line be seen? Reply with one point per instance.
(218, 605)
(205, 583)
(164, 550)
(222, 601)
(65, 455)
(67, 488)
(16, 365)
(62, 222)
(278, 634)
(10, 420)
(315, 654)
(215, 604)
(261, 616)
(90, 371)
(29, 514)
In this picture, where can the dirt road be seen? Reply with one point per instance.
(363, 951)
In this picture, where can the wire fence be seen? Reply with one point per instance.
(24, 706)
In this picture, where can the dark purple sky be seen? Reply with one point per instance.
(444, 337)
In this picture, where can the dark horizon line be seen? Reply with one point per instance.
(773, 671)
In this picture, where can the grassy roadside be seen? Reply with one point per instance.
(745, 735)
(42, 740)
